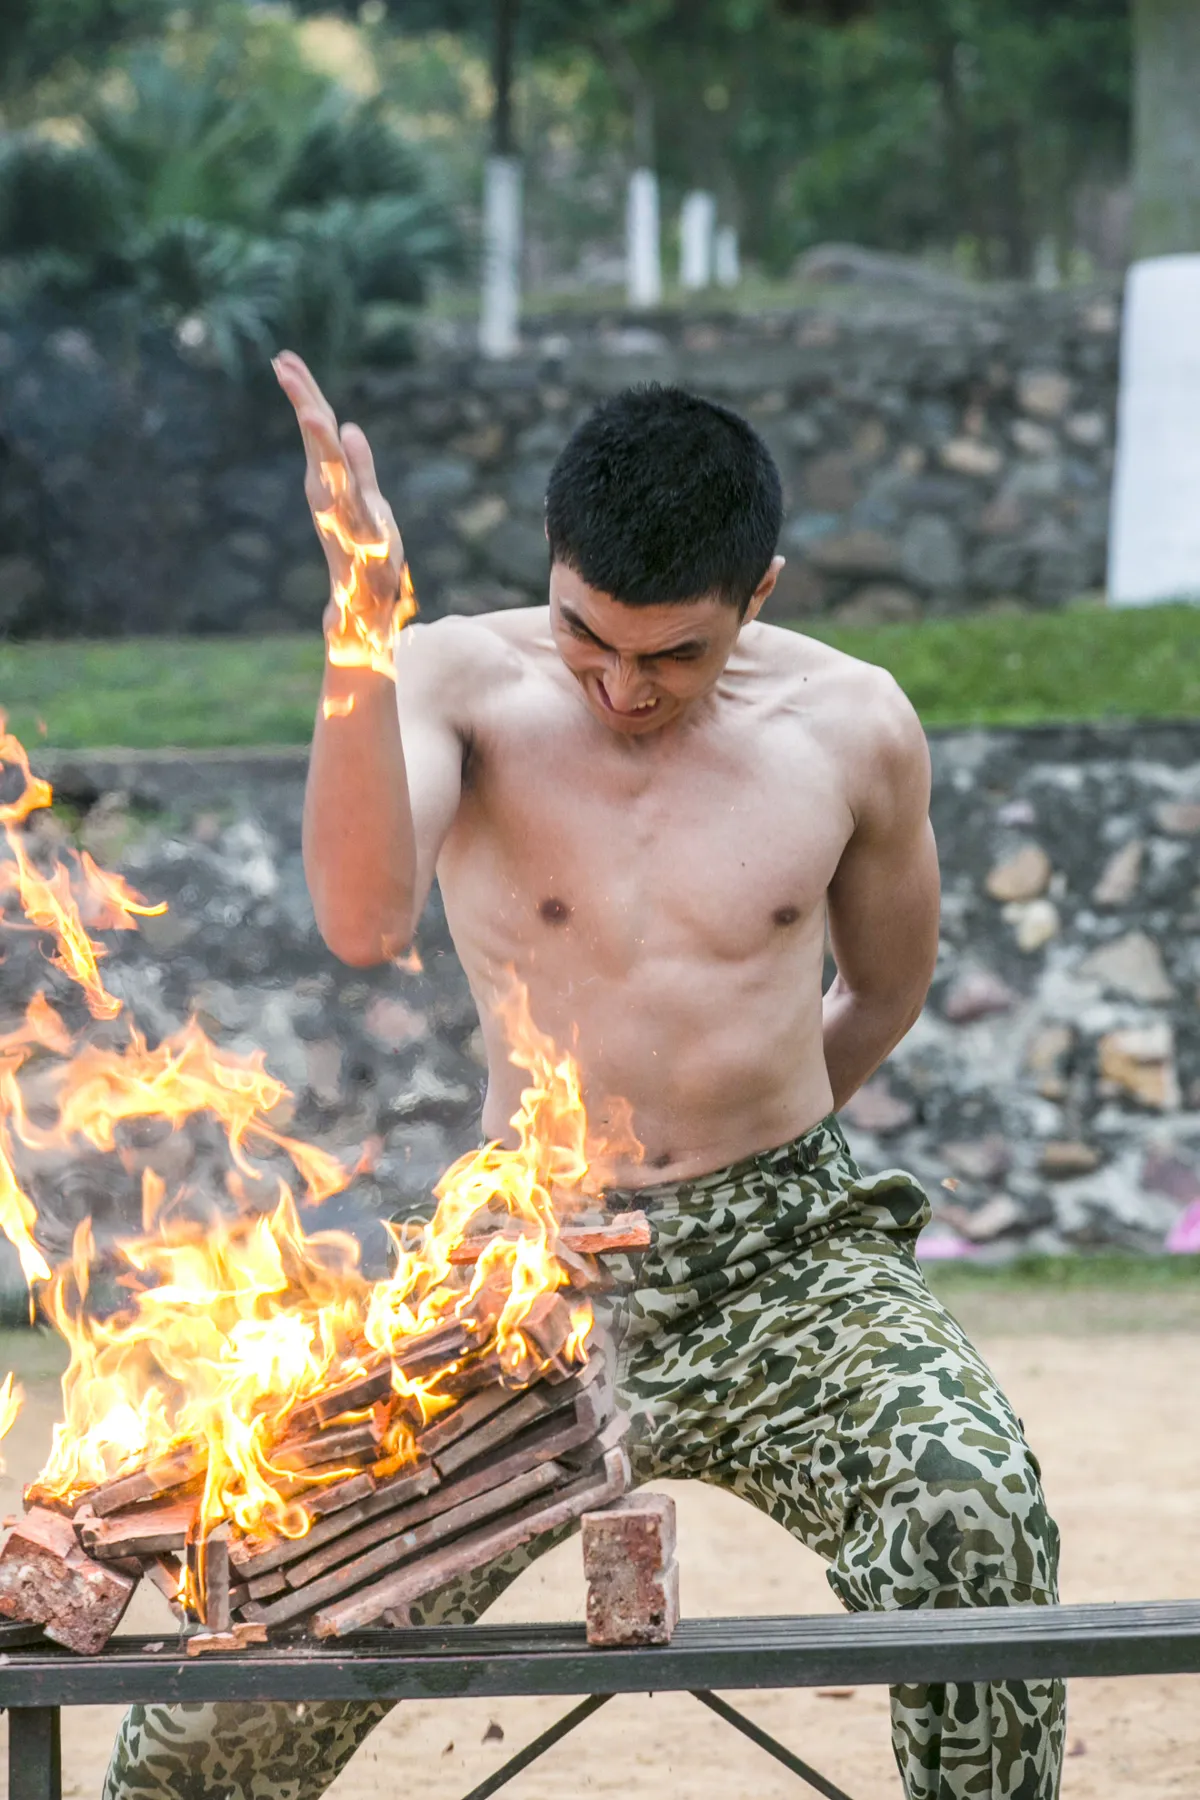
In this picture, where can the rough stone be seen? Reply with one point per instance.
(981, 1159)
(1180, 818)
(831, 482)
(1021, 877)
(1045, 1056)
(392, 1022)
(998, 1215)
(967, 456)
(877, 1109)
(517, 552)
(483, 515)
(22, 587)
(1087, 429)
(1164, 1173)
(1119, 882)
(976, 995)
(1133, 966)
(1035, 923)
(931, 553)
(1140, 1061)
(323, 1061)
(799, 592)
(1033, 439)
(877, 421)
(1064, 1157)
(1046, 393)
(878, 603)
(855, 553)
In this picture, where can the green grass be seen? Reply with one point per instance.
(1074, 1296)
(999, 669)
(147, 693)
(1033, 668)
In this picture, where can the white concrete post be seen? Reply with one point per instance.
(1154, 536)
(643, 262)
(727, 260)
(696, 221)
(500, 310)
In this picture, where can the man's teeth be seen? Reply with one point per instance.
(645, 705)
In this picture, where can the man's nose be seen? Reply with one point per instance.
(625, 684)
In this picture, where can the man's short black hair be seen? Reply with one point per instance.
(661, 496)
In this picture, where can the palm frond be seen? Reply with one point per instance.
(57, 197)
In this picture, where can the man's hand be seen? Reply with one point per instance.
(371, 593)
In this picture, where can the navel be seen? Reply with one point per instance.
(554, 911)
(786, 915)
(663, 1161)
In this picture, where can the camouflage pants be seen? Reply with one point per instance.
(779, 1341)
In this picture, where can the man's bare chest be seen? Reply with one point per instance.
(710, 845)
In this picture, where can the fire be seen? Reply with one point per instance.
(11, 1397)
(197, 1339)
(365, 632)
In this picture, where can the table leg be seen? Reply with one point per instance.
(34, 1753)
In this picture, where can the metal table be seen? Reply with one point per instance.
(864, 1649)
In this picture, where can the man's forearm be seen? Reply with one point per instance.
(359, 856)
(859, 1031)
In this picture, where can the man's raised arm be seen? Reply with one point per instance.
(883, 902)
(376, 806)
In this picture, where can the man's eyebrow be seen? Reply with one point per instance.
(577, 624)
(691, 646)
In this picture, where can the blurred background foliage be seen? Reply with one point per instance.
(214, 180)
(242, 172)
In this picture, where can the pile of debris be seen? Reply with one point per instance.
(512, 1457)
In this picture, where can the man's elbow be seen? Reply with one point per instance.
(356, 953)
(364, 944)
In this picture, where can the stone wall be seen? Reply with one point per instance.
(1049, 1097)
(938, 452)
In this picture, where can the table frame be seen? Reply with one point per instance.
(705, 1655)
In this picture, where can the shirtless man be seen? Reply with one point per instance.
(650, 804)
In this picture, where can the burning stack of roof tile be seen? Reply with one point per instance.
(515, 1455)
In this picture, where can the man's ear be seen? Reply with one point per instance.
(762, 592)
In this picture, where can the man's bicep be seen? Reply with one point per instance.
(883, 900)
(433, 764)
(433, 753)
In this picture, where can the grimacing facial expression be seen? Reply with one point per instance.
(640, 667)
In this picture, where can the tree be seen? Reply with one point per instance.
(38, 36)
(1167, 127)
(235, 221)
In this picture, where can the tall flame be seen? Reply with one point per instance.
(225, 1326)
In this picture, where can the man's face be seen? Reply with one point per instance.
(640, 667)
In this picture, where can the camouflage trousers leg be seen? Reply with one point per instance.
(778, 1341)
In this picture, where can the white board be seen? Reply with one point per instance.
(643, 260)
(499, 314)
(1154, 538)
(697, 219)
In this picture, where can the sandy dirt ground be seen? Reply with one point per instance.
(1116, 1420)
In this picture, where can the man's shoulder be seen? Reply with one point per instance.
(463, 658)
(831, 684)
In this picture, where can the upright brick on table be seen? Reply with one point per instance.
(632, 1573)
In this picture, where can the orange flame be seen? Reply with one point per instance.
(11, 1400)
(365, 632)
(219, 1329)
